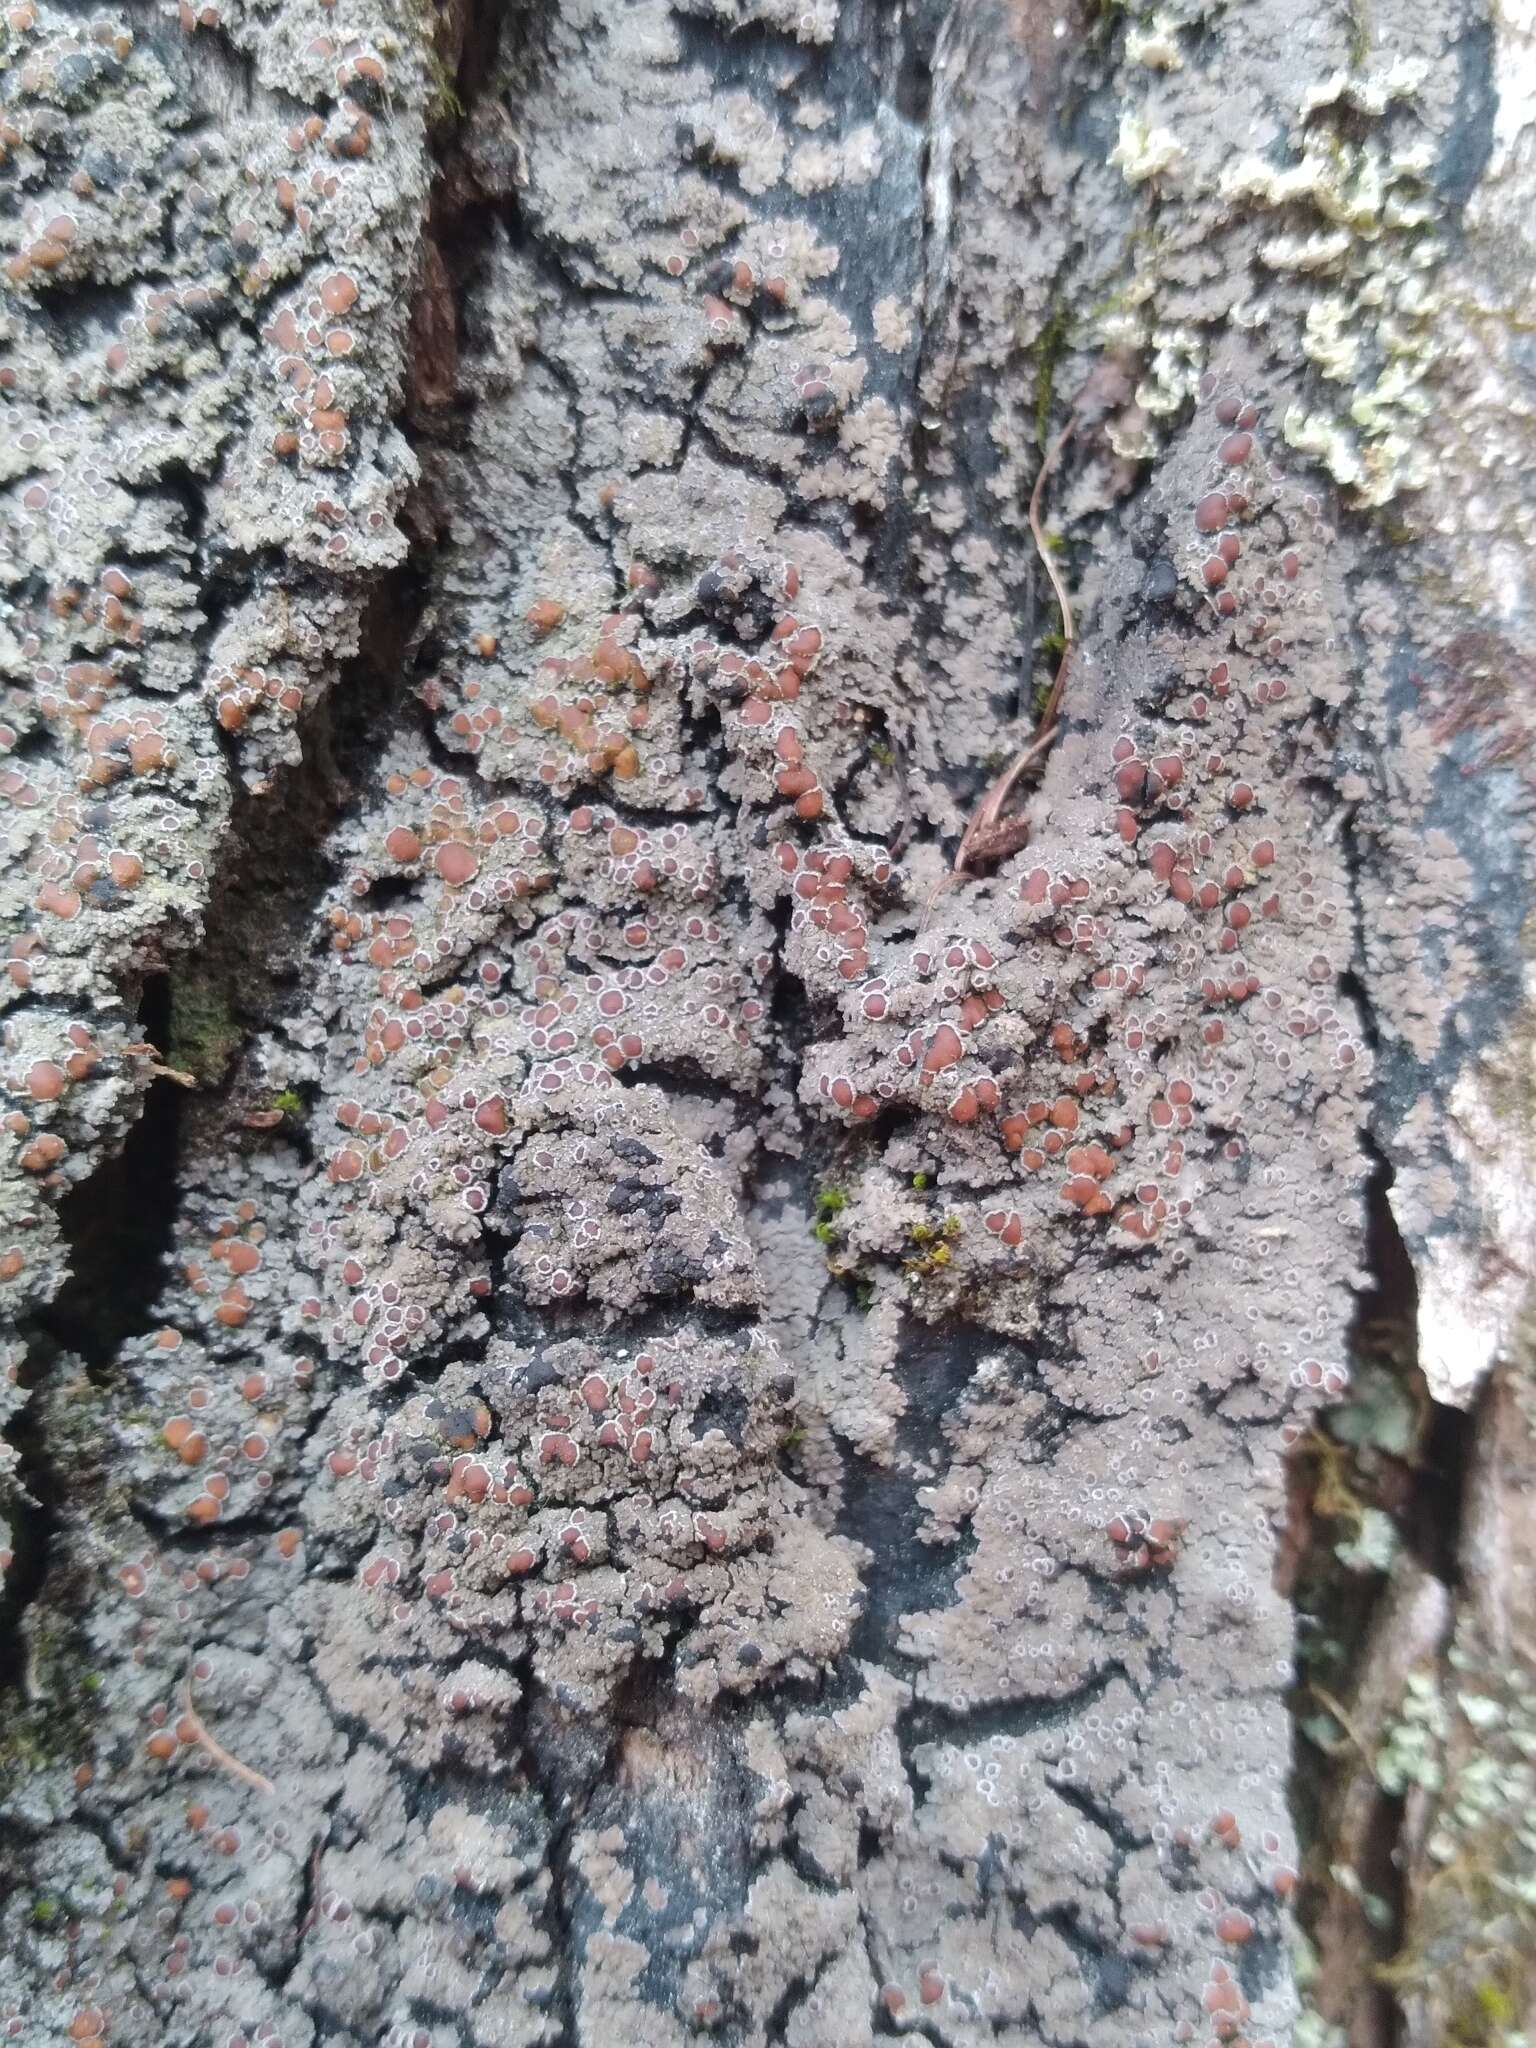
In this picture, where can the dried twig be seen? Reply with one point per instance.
(151, 1056)
(1068, 630)
(989, 835)
(216, 1749)
(985, 834)
(987, 827)
(1331, 1705)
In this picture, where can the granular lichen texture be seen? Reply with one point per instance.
(648, 1403)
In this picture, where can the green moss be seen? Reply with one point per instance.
(1485, 2012)
(830, 1202)
(52, 1727)
(444, 105)
(946, 1230)
(1052, 346)
(1398, 531)
(49, 1736)
(1493, 2000)
(1413, 1750)
(931, 1247)
(289, 1101)
(920, 1180)
(443, 102)
(204, 1033)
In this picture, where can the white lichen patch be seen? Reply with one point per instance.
(1145, 150)
(1372, 330)
(1155, 43)
(1370, 93)
(1176, 357)
(853, 160)
(893, 325)
(711, 1413)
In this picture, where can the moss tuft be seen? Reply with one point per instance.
(204, 1035)
(931, 1247)
(1052, 346)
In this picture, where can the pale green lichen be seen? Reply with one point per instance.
(1381, 1412)
(1495, 1791)
(1173, 357)
(1311, 2030)
(1468, 1956)
(1373, 1546)
(1318, 254)
(1155, 44)
(1375, 1909)
(1173, 373)
(1145, 150)
(1482, 1712)
(1375, 470)
(1323, 178)
(1373, 329)
(1353, 211)
(1413, 1751)
(1367, 94)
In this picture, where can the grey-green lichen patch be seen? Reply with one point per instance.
(641, 1637)
(1144, 150)
(1330, 223)
(1465, 1957)
(1355, 209)
(200, 343)
(1154, 42)
(1415, 1742)
(1372, 1546)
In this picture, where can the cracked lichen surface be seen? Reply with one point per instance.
(541, 1589)
(200, 348)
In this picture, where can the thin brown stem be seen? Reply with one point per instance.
(218, 1752)
(1332, 1706)
(1047, 717)
(150, 1055)
(985, 823)
(989, 809)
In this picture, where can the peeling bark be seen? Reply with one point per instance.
(644, 1407)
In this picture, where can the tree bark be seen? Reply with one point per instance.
(767, 812)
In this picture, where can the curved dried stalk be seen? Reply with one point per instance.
(989, 836)
(216, 1749)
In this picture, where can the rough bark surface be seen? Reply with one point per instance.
(639, 1411)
